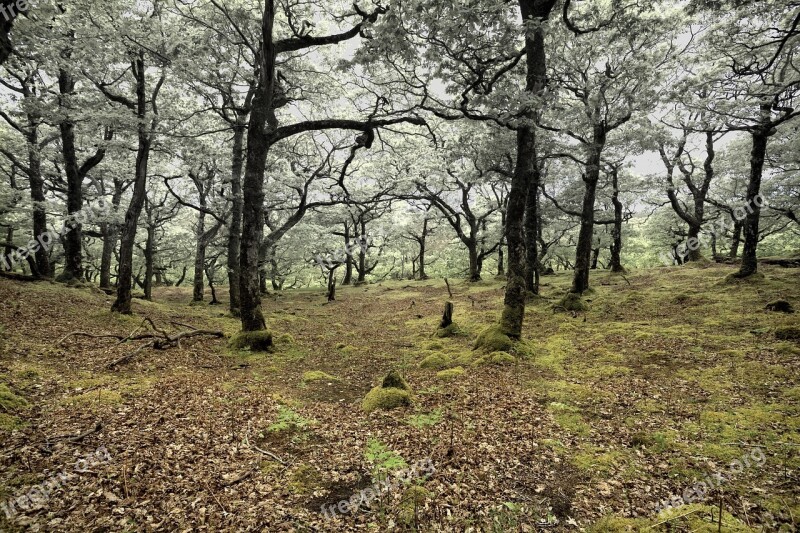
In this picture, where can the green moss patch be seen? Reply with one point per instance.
(450, 373)
(317, 375)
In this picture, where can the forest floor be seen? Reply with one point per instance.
(668, 378)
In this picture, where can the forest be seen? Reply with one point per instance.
(397, 265)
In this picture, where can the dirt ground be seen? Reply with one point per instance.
(672, 375)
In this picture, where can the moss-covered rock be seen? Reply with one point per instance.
(318, 375)
(450, 373)
(787, 333)
(572, 301)
(436, 361)
(450, 331)
(256, 341)
(394, 380)
(385, 398)
(492, 339)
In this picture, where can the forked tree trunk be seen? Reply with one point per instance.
(253, 186)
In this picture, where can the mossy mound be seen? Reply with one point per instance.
(393, 392)
(10, 401)
(318, 375)
(492, 339)
(787, 333)
(495, 358)
(285, 338)
(394, 380)
(385, 398)
(450, 331)
(571, 302)
(436, 361)
(256, 341)
(450, 373)
(435, 345)
(780, 306)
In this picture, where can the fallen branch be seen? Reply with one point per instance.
(158, 338)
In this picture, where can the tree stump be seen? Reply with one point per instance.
(447, 316)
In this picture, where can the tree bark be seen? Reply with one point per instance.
(736, 239)
(421, 259)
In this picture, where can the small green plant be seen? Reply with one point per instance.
(382, 459)
(289, 420)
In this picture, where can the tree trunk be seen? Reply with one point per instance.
(37, 196)
(447, 316)
(736, 239)
(525, 167)
(595, 257)
(73, 268)
(253, 186)
(531, 233)
(128, 239)
(183, 276)
(421, 260)
(616, 230)
(501, 269)
(199, 258)
(331, 284)
(583, 252)
(348, 265)
(757, 154)
(149, 258)
(474, 270)
(235, 225)
(110, 234)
